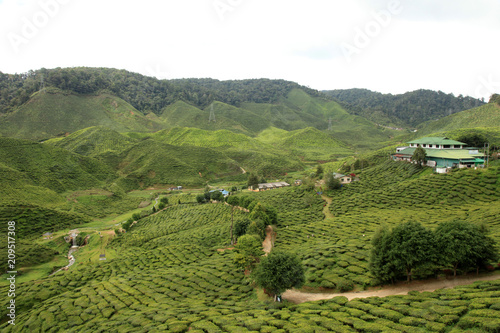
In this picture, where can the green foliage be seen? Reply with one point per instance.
(495, 98)
(419, 156)
(52, 168)
(331, 182)
(473, 139)
(408, 109)
(233, 200)
(412, 245)
(34, 220)
(240, 227)
(381, 265)
(248, 252)
(200, 198)
(57, 113)
(253, 181)
(217, 195)
(482, 117)
(465, 245)
(319, 171)
(278, 272)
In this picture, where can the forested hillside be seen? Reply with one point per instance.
(146, 94)
(408, 109)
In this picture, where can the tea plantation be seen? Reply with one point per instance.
(174, 271)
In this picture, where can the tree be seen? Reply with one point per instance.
(331, 182)
(240, 227)
(381, 265)
(217, 195)
(164, 201)
(319, 171)
(248, 252)
(419, 156)
(126, 226)
(473, 139)
(253, 180)
(257, 228)
(200, 198)
(278, 272)
(412, 245)
(233, 200)
(465, 245)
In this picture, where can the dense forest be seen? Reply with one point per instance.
(408, 109)
(146, 94)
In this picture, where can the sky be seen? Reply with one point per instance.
(390, 46)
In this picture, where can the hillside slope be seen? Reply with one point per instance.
(250, 154)
(46, 170)
(401, 110)
(54, 112)
(487, 116)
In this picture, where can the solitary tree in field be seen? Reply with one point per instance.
(278, 272)
(419, 156)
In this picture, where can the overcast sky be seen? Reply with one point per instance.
(391, 46)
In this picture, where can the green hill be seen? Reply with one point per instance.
(486, 116)
(251, 154)
(181, 114)
(93, 141)
(54, 112)
(75, 98)
(42, 166)
(151, 162)
(401, 110)
(309, 143)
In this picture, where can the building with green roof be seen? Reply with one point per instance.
(442, 153)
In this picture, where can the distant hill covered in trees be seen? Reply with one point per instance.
(408, 109)
(146, 94)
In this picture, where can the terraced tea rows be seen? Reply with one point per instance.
(207, 225)
(206, 299)
(428, 192)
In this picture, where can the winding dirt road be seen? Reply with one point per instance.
(402, 288)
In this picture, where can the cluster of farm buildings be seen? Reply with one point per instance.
(442, 154)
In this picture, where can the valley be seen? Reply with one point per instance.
(140, 168)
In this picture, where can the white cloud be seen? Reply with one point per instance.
(442, 46)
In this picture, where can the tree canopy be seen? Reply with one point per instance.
(410, 246)
(146, 94)
(278, 272)
(408, 109)
(419, 156)
(248, 251)
(465, 245)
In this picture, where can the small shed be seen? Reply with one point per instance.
(342, 178)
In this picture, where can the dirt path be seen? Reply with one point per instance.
(402, 288)
(326, 209)
(267, 244)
